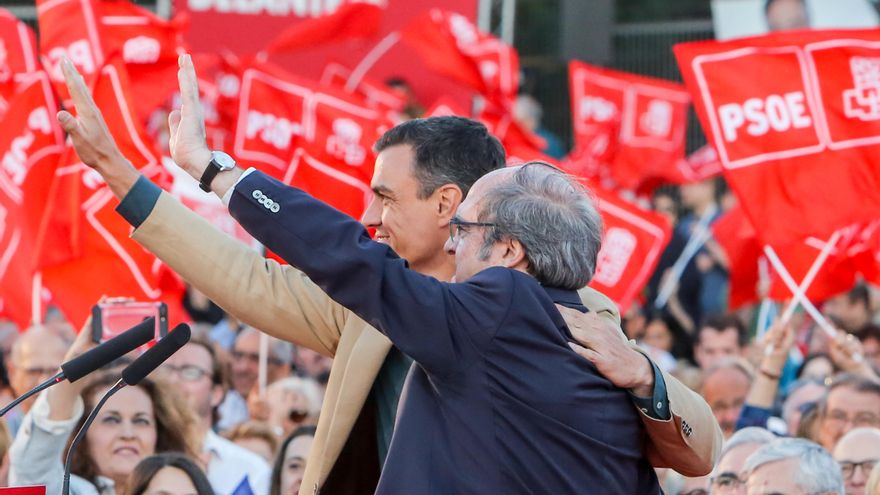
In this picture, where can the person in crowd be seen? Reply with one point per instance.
(729, 476)
(852, 401)
(289, 403)
(803, 394)
(725, 387)
(793, 466)
(5, 442)
(290, 463)
(760, 403)
(35, 357)
(717, 338)
(701, 200)
(311, 364)
(255, 436)
(869, 336)
(857, 452)
(170, 473)
(414, 157)
(527, 112)
(412, 109)
(851, 310)
(245, 365)
(136, 422)
(816, 366)
(783, 15)
(199, 374)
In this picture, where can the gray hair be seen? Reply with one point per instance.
(279, 350)
(817, 471)
(554, 218)
(746, 436)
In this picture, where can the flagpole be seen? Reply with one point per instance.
(798, 295)
(263, 366)
(811, 274)
(508, 20)
(699, 236)
(36, 300)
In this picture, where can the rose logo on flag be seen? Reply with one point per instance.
(344, 143)
(657, 121)
(863, 101)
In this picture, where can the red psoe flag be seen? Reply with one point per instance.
(799, 148)
(450, 44)
(18, 56)
(631, 247)
(70, 28)
(30, 147)
(635, 124)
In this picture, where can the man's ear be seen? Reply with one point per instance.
(448, 197)
(514, 254)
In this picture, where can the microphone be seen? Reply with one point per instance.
(95, 358)
(131, 375)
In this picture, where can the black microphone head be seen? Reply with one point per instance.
(156, 355)
(109, 351)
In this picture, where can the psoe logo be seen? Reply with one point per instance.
(617, 249)
(345, 142)
(863, 101)
(657, 121)
(272, 130)
(141, 50)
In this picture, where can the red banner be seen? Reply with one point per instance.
(18, 56)
(29, 152)
(631, 247)
(636, 125)
(800, 147)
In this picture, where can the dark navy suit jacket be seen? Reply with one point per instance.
(497, 403)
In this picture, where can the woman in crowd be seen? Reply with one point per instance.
(134, 423)
(290, 463)
(170, 473)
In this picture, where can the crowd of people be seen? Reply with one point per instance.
(710, 399)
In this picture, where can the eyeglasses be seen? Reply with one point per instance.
(726, 483)
(849, 468)
(254, 358)
(457, 226)
(860, 419)
(188, 373)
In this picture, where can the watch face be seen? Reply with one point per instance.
(223, 160)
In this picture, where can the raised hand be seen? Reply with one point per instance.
(90, 136)
(189, 148)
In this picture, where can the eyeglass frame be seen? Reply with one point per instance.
(180, 371)
(456, 224)
(727, 476)
(866, 466)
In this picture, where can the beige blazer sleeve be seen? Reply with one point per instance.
(690, 441)
(275, 298)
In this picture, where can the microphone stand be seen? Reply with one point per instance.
(30, 393)
(65, 489)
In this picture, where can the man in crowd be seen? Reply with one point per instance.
(420, 179)
(793, 466)
(245, 367)
(717, 338)
(35, 358)
(198, 372)
(728, 474)
(851, 310)
(725, 387)
(852, 401)
(857, 452)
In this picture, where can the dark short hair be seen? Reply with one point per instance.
(448, 150)
(721, 322)
(148, 467)
(302, 431)
(856, 383)
(860, 294)
(869, 332)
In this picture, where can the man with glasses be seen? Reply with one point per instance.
(35, 357)
(199, 375)
(728, 477)
(852, 401)
(858, 452)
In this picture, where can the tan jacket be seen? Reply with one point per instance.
(283, 302)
